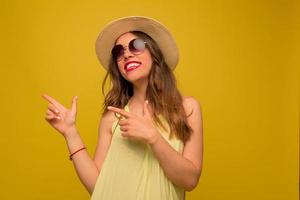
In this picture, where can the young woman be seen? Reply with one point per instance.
(150, 137)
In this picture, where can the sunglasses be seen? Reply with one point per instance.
(135, 46)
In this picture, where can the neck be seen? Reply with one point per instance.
(139, 91)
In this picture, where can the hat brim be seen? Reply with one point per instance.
(112, 31)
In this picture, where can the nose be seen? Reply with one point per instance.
(127, 53)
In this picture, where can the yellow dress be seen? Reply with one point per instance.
(131, 171)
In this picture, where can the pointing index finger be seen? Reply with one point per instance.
(120, 111)
(53, 101)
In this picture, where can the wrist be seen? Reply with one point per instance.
(71, 133)
(153, 138)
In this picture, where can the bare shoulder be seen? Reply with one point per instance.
(107, 121)
(108, 116)
(191, 105)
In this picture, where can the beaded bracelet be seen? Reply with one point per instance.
(70, 157)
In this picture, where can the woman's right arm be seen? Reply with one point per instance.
(63, 120)
(86, 168)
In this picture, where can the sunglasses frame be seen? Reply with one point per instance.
(118, 54)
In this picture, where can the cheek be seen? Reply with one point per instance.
(122, 71)
(148, 61)
(120, 68)
(148, 66)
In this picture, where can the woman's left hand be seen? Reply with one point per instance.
(137, 127)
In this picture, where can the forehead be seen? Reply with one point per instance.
(125, 38)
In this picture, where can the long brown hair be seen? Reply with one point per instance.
(162, 93)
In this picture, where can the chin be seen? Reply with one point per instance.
(136, 78)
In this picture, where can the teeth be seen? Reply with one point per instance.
(131, 65)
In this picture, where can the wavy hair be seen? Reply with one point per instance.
(162, 93)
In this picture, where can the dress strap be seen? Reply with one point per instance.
(119, 117)
(126, 107)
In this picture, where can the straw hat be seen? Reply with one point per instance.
(158, 32)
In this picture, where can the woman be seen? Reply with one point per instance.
(150, 137)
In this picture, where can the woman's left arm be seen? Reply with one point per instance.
(183, 170)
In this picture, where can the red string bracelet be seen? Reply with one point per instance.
(70, 157)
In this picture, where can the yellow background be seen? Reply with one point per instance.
(240, 59)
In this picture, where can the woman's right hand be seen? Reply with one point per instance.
(59, 117)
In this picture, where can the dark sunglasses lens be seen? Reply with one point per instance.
(117, 51)
(137, 45)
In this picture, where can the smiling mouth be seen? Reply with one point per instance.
(132, 66)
